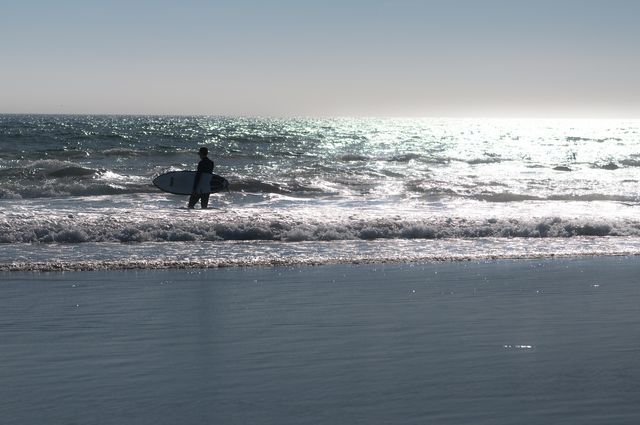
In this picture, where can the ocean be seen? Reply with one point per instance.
(359, 271)
(76, 192)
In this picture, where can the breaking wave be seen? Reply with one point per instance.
(48, 189)
(47, 168)
(79, 229)
(52, 178)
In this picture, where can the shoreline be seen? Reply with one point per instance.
(269, 262)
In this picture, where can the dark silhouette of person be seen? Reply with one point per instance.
(205, 166)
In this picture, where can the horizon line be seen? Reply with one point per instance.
(632, 117)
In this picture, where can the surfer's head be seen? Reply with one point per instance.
(203, 152)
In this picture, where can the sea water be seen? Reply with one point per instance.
(76, 191)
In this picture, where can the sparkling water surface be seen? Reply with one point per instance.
(86, 180)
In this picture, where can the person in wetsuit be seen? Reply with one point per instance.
(205, 166)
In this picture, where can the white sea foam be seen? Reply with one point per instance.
(161, 255)
(280, 220)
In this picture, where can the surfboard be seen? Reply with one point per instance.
(181, 183)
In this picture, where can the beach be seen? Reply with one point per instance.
(483, 342)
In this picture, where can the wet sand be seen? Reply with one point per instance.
(503, 342)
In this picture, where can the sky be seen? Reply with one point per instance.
(322, 58)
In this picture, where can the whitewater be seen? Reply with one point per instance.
(76, 192)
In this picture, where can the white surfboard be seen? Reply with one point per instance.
(181, 183)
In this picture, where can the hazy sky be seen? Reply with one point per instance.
(323, 57)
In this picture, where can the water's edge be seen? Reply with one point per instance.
(275, 261)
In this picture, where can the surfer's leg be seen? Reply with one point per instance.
(193, 200)
(204, 200)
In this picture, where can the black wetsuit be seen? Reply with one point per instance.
(204, 166)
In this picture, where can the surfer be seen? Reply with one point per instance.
(204, 166)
